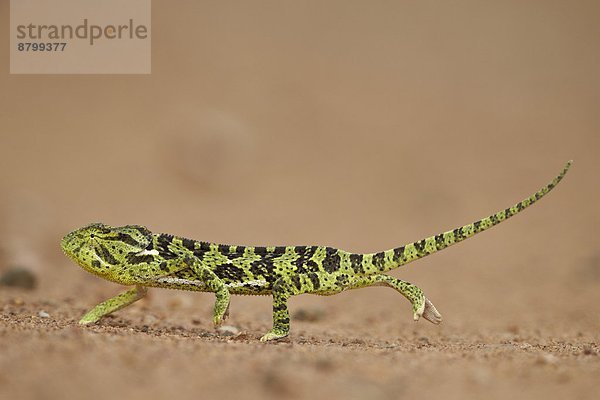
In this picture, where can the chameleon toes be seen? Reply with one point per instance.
(427, 310)
(84, 321)
(219, 318)
(226, 314)
(419, 308)
(430, 313)
(272, 335)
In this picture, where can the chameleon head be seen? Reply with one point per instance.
(104, 250)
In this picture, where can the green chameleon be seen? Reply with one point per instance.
(132, 255)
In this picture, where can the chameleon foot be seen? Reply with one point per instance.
(273, 334)
(429, 312)
(218, 320)
(226, 314)
(221, 311)
(87, 319)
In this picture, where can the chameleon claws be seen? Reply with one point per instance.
(90, 317)
(222, 304)
(218, 319)
(428, 311)
(226, 313)
(273, 335)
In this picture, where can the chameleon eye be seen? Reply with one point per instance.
(92, 235)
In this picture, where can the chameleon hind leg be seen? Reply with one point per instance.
(113, 304)
(320, 283)
(282, 290)
(421, 306)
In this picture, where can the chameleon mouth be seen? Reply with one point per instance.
(67, 243)
(71, 246)
(64, 242)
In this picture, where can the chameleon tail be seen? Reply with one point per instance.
(394, 258)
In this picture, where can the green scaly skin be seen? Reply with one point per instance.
(132, 255)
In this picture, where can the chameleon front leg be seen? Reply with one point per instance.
(113, 304)
(422, 307)
(214, 284)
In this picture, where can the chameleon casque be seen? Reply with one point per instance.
(132, 255)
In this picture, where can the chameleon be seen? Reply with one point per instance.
(134, 256)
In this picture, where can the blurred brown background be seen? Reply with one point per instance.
(354, 124)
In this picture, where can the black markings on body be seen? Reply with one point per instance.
(231, 272)
(262, 269)
(303, 263)
(188, 244)
(296, 281)
(378, 260)
(331, 263)
(204, 246)
(279, 307)
(420, 246)
(341, 280)
(356, 263)
(398, 252)
(260, 250)
(458, 233)
(279, 250)
(163, 266)
(134, 258)
(314, 279)
(143, 231)
(439, 241)
(125, 238)
(163, 243)
(105, 255)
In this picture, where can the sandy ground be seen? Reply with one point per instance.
(342, 125)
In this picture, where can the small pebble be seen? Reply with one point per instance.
(43, 314)
(228, 330)
(149, 319)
